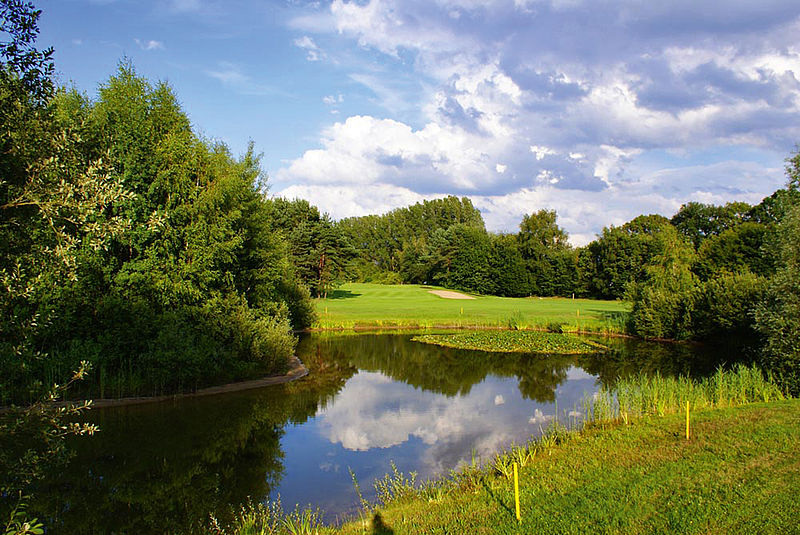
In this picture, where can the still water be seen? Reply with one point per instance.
(369, 400)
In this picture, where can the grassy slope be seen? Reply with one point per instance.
(740, 473)
(355, 305)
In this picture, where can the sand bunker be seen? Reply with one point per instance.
(447, 294)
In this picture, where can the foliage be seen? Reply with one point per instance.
(132, 242)
(698, 222)
(514, 342)
(546, 251)
(620, 254)
(723, 308)
(22, 64)
(777, 315)
(402, 241)
(662, 299)
(736, 250)
(318, 249)
(31, 446)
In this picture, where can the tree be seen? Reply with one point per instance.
(507, 268)
(736, 250)
(462, 261)
(777, 315)
(698, 221)
(23, 66)
(542, 244)
(621, 254)
(663, 297)
(319, 250)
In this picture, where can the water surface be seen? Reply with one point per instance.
(369, 400)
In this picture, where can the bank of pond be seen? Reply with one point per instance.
(372, 403)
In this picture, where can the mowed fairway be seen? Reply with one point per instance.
(375, 305)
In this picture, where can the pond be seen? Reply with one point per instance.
(369, 400)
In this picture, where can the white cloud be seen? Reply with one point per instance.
(149, 44)
(520, 116)
(313, 52)
(331, 100)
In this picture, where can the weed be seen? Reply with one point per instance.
(396, 486)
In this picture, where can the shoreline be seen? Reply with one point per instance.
(396, 327)
(296, 371)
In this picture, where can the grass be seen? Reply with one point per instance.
(375, 306)
(738, 473)
(514, 342)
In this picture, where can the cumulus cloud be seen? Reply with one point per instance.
(571, 105)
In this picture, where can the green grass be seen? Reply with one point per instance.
(376, 305)
(514, 342)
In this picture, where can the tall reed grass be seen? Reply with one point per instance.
(645, 395)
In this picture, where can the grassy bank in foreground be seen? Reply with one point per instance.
(375, 305)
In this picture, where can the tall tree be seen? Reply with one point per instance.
(777, 316)
(542, 244)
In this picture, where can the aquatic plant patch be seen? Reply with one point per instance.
(514, 342)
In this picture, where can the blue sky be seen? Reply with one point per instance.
(601, 110)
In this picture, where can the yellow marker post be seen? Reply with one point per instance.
(687, 420)
(462, 311)
(516, 492)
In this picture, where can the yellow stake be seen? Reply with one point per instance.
(516, 492)
(462, 311)
(687, 420)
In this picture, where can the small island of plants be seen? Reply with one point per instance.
(514, 342)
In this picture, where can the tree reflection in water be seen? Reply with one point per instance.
(164, 467)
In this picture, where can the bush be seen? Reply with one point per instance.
(725, 305)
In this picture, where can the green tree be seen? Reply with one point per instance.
(664, 297)
(319, 250)
(697, 221)
(777, 315)
(736, 250)
(544, 246)
(507, 268)
(620, 254)
(462, 261)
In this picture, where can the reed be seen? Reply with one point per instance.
(644, 395)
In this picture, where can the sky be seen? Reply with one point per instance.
(599, 109)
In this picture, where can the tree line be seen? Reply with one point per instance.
(131, 242)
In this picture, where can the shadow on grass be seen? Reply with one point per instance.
(341, 294)
(379, 528)
(497, 499)
(618, 317)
